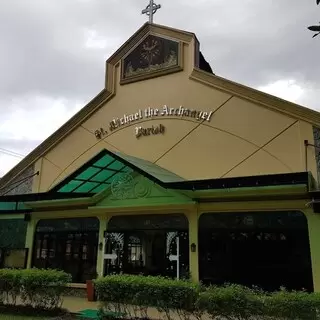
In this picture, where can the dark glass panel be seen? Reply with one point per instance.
(264, 249)
(148, 222)
(69, 224)
(13, 233)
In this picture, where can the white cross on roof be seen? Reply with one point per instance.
(150, 10)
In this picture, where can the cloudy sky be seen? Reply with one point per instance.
(52, 54)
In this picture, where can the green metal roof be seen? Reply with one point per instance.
(151, 169)
(17, 203)
(16, 206)
(97, 174)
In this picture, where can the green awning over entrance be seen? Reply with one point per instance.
(150, 169)
(97, 174)
(15, 205)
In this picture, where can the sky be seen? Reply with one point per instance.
(52, 54)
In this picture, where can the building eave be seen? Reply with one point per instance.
(264, 99)
(285, 192)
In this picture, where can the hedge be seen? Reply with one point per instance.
(120, 292)
(36, 288)
(131, 296)
(292, 305)
(231, 302)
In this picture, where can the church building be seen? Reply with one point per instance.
(171, 170)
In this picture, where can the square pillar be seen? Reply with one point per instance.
(193, 244)
(314, 240)
(31, 229)
(103, 222)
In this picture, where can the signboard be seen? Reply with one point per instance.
(153, 113)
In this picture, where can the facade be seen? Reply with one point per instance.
(171, 170)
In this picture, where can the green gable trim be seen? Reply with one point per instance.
(143, 192)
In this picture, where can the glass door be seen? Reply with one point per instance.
(177, 253)
(113, 253)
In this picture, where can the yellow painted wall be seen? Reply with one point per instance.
(243, 138)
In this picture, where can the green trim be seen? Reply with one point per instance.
(59, 203)
(144, 193)
(300, 189)
(160, 196)
(129, 205)
(12, 216)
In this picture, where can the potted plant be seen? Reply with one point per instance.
(90, 287)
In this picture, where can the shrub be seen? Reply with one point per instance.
(131, 296)
(36, 288)
(292, 305)
(9, 286)
(230, 302)
(125, 294)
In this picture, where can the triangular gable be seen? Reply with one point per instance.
(113, 179)
(100, 99)
(107, 169)
(198, 75)
(140, 191)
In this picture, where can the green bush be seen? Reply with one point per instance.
(131, 295)
(292, 305)
(230, 302)
(34, 287)
(9, 286)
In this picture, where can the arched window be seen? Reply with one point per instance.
(135, 251)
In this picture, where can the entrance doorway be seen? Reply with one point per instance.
(147, 244)
(264, 249)
(67, 244)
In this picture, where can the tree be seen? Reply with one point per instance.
(315, 28)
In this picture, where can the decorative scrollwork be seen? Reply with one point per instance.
(171, 236)
(122, 186)
(117, 238)
(142, 188)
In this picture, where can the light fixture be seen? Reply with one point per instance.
(100, 246)
(193, 247)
